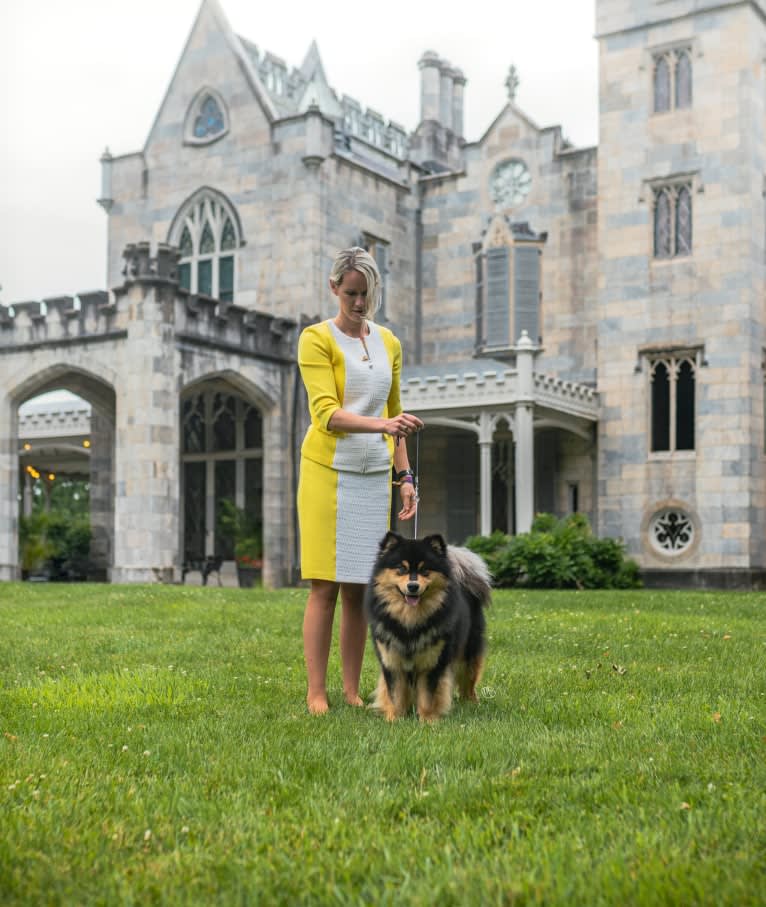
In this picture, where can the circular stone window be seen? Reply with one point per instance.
(510, 183)
(671, 531)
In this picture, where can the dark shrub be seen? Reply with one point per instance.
(557, 554)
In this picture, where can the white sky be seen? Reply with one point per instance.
(77, 76)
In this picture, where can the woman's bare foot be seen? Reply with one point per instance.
(354, 699)
(317, 705)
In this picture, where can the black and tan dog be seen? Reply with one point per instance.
(425, 606)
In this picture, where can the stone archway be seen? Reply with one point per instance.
(85, 448)
(221, 453)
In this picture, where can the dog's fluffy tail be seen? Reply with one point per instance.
(471, 573)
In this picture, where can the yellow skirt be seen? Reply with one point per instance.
(343, 517)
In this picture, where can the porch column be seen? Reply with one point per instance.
(9, 483)
(485, 472)
(524, 433)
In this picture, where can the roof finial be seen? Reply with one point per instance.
(512, 82)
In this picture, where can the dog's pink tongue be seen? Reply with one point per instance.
(412, 599)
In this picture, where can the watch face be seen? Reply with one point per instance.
(510, 183)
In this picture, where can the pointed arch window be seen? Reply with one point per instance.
(206, 231)
(207, 118)
(672, 218)
(672, 401)
(672, 79)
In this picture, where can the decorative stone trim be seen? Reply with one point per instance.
(671, 531)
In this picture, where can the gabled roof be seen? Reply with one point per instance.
(213, 8)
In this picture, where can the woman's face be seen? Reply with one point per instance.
(352, 296)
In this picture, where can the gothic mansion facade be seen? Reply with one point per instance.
(583, 328)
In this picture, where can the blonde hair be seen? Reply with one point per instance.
(357, 259)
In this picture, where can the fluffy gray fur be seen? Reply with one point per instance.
(470, 572)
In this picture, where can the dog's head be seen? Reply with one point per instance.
(411, 575)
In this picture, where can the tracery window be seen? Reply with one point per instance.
(672, 79)
(672, 219)
(209, 121)
(672, 385)
(207, 118)
(207, 235)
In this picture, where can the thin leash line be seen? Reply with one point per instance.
(417, 477)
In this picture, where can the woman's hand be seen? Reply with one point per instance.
(402, 426)
(409, 501)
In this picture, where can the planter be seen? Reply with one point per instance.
(248, 576)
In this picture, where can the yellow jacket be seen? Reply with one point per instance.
(322, 366)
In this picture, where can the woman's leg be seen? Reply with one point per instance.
(353, 637)
(317, 636)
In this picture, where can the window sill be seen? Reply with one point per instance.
(659, 456)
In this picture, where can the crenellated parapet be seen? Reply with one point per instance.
(152, 279)
(57, 319)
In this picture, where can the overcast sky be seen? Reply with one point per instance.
(81, 75)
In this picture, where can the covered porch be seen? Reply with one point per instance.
(502, 442)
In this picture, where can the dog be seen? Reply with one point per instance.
(425, 608)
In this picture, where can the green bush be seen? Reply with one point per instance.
(56, 544)
(557, 554)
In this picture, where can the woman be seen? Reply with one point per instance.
(351, 369)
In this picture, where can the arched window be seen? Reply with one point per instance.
(683, 244)
(209, 121)
(672, 79)
(206, 231)
(672, 219)
(207, 118)
(683, 78)
(662, 231)
(672, 381)
(661, 84)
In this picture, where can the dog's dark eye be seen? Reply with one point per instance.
(424, 572)
(402, 570)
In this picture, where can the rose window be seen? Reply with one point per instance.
(671, 531)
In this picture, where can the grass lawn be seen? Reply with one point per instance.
(155, 749)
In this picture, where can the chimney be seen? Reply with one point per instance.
(458, 86)
(430, 86)
(445, 106)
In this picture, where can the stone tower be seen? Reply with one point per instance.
(681, 166)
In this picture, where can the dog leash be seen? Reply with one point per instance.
(416, 483)
(415, 480)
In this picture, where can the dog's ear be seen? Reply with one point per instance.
(390, 540)
(437, 543)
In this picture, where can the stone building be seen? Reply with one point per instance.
(583, 327)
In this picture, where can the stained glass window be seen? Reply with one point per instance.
(210, 120)
(662, 206)
(208, 226)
